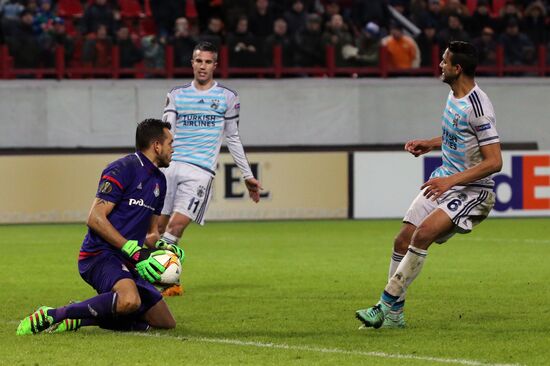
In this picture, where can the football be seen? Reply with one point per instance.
(171, 262)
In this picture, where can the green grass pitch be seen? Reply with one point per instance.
(285, 292)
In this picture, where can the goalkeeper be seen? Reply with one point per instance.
(112, 258)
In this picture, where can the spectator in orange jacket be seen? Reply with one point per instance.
(402, 50)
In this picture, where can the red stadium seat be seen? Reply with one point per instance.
(471, 5)
(130, 9)
(147, 26)
(147, 8)
(69, 8)
(497, 5)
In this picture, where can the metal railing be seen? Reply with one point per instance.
(277, 70)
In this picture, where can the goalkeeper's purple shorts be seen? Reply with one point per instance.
(103, 269)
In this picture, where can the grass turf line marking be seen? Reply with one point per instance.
(236, 342)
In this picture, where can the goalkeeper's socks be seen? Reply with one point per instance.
(169, 238)
(124, 324)
(99, 306)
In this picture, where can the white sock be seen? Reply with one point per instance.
(169, 238)
(396, 258)
(407, 271)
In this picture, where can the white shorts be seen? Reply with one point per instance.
(466, 206)
(188, 191)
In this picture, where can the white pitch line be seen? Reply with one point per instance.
(236, 342)
(505, 240)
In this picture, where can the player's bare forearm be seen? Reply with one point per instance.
(420, 147)
(491, 163)
(100, 224)
(153, 234)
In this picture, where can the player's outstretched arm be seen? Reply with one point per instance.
(100, 224)
(420, 147)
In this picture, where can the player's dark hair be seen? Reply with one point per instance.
(207, 47)
(150, 130)
(465, 55)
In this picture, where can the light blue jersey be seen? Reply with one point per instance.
(468, 123)
(200, 120)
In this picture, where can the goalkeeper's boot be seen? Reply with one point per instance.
(37, 322)
(373, 316)
(394, 320)
(67, 325)
(174, 290)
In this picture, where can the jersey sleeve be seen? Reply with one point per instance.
(231, 132)
(170, 113)
(485, 129)
(113, 182)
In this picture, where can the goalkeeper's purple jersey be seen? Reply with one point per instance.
(137, 188)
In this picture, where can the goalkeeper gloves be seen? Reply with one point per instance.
(161, 244)
(146, 265)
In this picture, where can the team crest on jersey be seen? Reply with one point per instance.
(105, 187)
(456, 119)
(215, 104)
(156, 191)
(200, 191)
(462, 196)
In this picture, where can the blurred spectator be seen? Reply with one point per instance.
(183, 43)
(243, 51)
(278, 38)
(214, 33)
(365, 11)
(153, 51)
(486, 46)
(23, 44)
(44, 17)
(534, 23)
(130, 53)
(402, 50)
(165, 13)
(11, 14)
(367, 47)
(435, 14)
(207, 9)
(480, 19)
(337, 36)
(426, 41)
(295, 17)
(453, 32)
(97, 49)
(309, 49)
(54, 37)
(96, 14)
(261, 20)
(455, 7)
(32, 6)
(509, 11)
(518, 48)
(419, 11)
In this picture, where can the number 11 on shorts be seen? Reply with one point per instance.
(192, 202)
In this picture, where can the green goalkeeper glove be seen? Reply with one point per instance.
(161, 244)
(146, 265)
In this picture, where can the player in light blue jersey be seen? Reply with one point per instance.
(458, 195)
(203, 113)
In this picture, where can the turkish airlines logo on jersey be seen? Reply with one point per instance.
(141, 203)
